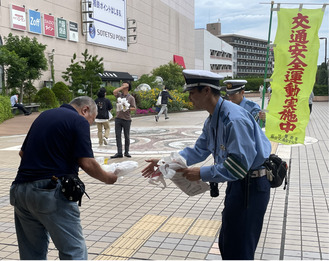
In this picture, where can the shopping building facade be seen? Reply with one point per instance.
(133, 36)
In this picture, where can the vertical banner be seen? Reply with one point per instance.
(295, 53)
(35, 22)
(61, 28)
(48, 25)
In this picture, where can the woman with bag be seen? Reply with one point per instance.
(103, 117)
(164, 101)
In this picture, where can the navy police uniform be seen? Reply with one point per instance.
(239, 148)
(233, 86)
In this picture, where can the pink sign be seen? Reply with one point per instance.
(48, 25)
(18, 17)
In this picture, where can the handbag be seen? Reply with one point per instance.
(158, 103)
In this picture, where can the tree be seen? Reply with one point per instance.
(171, 74)
(322, 74)
(24, 61)
(84, 75)
(62, 92)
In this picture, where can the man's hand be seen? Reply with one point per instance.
(149, 170)
(262, 115)
(192, 174)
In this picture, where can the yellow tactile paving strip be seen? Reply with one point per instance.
(125, 246)
(129, 243)
(177, 225)
(274, 147)
(203, 227)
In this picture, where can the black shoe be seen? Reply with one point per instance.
(116, 156)
(156, 118)
(127, 155)
(27, 113)
(166, 118)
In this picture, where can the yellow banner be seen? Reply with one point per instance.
(295, 55)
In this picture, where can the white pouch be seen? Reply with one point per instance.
(121, 169)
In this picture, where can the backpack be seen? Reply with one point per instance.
(276, 171)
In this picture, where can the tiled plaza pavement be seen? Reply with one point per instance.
(135, 220)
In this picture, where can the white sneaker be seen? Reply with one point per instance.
(106, 141)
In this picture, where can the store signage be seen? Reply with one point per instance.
(48, 25)
(35, 22)
(61, 28)
(73, 31)
(18, 17)
(108, 24)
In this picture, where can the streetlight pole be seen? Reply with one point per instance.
(325, 49)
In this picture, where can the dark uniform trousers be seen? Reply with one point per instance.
(242, 221)
(121, 124)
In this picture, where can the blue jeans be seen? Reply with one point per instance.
(42, 212)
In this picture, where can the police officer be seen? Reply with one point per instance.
(235, 93)
(239, 148)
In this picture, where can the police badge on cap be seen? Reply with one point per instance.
(234, 86)
(196, 78)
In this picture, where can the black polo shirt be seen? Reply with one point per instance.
(55, 141)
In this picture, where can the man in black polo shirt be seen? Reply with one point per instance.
(57, 144)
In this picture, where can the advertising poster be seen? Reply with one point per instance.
(61, 28)
(18, 17)
(48, 25)
(73, 32)
(35, 22)
(109, 25)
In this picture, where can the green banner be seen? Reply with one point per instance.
(296, 49)
(61, 28)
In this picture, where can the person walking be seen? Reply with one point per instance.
(14, 103)
(239, 148)
(125, 104)
(310, 101)
(57, 144)
(165, 95)
(104, 107)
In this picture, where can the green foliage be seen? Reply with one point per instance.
(320, 90)
(47, 98)
(322, 74)
(145, 78)
(171, 74)
(62, 92)
(24, 59)
(5, 108)
(84, 75)
(30, 92)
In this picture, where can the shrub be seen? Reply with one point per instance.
(46, 98)
(5, 108)
(320, 90)
(62, 92)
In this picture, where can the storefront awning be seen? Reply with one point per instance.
(115, 76)
(179, 60)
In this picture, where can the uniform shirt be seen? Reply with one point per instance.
(235, 140)
(252, 107)
(125, 115)
(55, 141)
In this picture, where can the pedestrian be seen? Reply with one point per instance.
(125, 104)
(14, 103)
(104, 107)
(165, 95)
(57, 144)
(261, 88)
(239, 148)
(235, 93)
(310, 101)
(269, 93)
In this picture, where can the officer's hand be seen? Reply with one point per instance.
(192, 174)
(149, 170)
(262, 115)
(111, 178)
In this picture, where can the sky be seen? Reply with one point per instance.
(251, 18)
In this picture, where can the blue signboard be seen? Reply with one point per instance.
(35, 22)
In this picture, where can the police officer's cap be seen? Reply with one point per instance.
(196, 78)
(233, 86)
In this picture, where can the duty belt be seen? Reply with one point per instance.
(258, 173)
